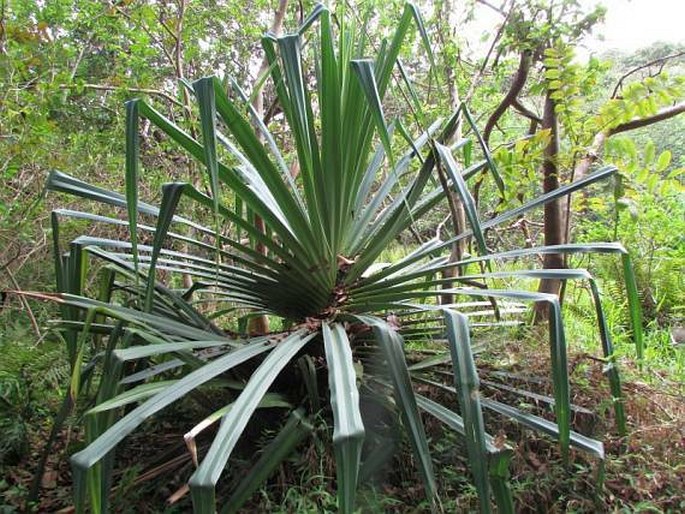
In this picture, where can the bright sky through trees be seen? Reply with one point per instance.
(633, 24)
(629, 25)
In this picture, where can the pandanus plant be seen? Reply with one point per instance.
(314, 265)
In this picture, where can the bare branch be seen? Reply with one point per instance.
(25, 304)
(660, 60)
(516, 86)
(522, 109)
(166, 28)
(493, 7)
(145, 91)
(477, 79)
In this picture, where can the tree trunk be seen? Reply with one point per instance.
(260, 324)
(555, 230)
(456, 206)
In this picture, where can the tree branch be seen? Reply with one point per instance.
(660, 60)
(522, 109)
(493, 7)
(662, 115)
(477, 79)
(593, 151)
(145, 91)
(25, 304)
(178, 47)
(516, 86)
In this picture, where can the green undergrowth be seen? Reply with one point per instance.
(643, 472)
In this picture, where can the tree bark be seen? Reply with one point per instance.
(554, 230)
(510, 98)
(455, 204)
(260, 324)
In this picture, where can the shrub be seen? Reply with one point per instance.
(346, 317)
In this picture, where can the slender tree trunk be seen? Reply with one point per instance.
(179, 64)
(554, 230)
(455, 204)
(260, 324)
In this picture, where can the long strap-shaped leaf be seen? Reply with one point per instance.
(177, 307)
(634, 306)
(484, 148)
(369, 203)
(467, 383)
(132, 395)
(363, 69)
(498, 456)
(84, 459)
(348, 432)
(269, 400)
(268, 266)
(271, 141)
(254, 150)
(58, 181)
(290, 86)
(161, 348)
(171, 193)
(330, 107)
(64, 183)
(612, 248)
(277, 221)
(587, 444)
(600, 174)
(397, 220)
(393, 350)
(280, 293)
(428, 286)
(467, 200)
(611, 369)
(204, 91)
(534, 422)
(132, 172)
(635, 309)
(557, 346)
(203, 482)
(295, 430)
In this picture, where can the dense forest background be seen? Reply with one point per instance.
(548, 116)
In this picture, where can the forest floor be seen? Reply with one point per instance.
(642, 472)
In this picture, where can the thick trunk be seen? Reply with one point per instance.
(554, 231)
